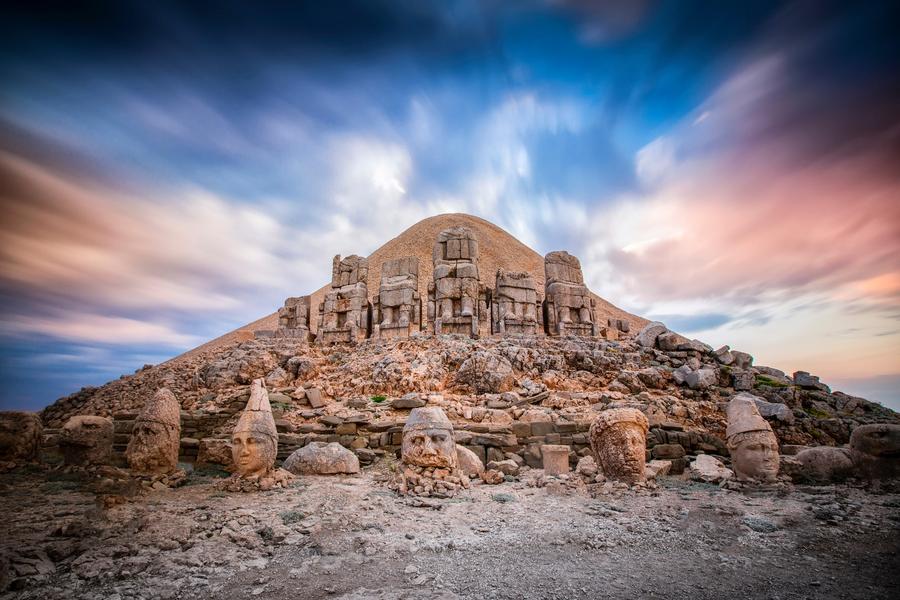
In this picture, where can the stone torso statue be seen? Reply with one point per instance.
(156, 437)
(293, 317)
(569, 306)
(398, 308)
(516, 307)
(456, 298)
(619, 441)
(751, 442)
(344, 314)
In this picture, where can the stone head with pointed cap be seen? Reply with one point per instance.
(619, 439)
(156, 437)
(428, 439)
(254, 443)
(751, 442)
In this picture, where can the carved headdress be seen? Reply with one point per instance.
(613, 416)
(257, 416)
(162, 408)
(744, 417)
(429, 417)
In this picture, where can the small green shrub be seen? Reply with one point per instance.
(378, 399)
(292, 516)
(766, 380)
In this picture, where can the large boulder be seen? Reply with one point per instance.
(20, 436)
(646, 337)
(701, 379)
(87, 440)
(486, 373)
(469, 463)
(319, 458)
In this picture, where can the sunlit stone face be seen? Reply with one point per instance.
(618, 440)
(429, 448)
(754, 455)
(253, 453)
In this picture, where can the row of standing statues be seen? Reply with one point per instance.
(458, 301)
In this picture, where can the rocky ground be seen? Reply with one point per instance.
(66, 536)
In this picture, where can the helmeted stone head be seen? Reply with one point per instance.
(751, 442)
(254, 443)
(156, 436)
(619, 441)
(428, 439)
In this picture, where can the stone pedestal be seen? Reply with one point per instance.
(556, 459)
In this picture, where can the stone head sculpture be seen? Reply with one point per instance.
(751, 442)
(875, 450)
(619, 441)
(20, 436)
(87, 440)
(428, 439)
(156, 437)
(254, 443)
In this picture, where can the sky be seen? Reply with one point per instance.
(172, 171)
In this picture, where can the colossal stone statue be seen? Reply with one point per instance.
(569, 306)
(293, 318)
(156, 437)
(429, 454)
(457, 302)
(516, 306)
(618, 439)
(344, 315)
(398, 308)
(751, 442)
(20, 437)
(254, 443)
(86, 440)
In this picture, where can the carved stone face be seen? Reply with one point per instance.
(754, 455)
(428, 439)
(618, 439)
(429, 448)
(153, 448)
(253, 453)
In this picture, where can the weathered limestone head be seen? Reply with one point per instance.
(751, 442)
(428, 439)
(619, 441)
(875, 450)
(254, 443)
(560, 266)
(87, 440)
(20, 436)
(349, 271)
(156, 437)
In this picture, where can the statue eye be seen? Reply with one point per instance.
(438, 438)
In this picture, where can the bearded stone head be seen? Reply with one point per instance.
(20, 436)
(156, 437)
(751, 442)
(428, 439)
(254, 443)
(619, 441)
